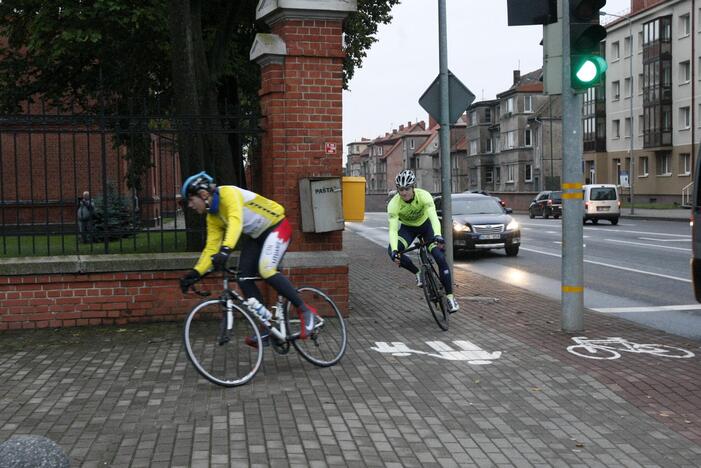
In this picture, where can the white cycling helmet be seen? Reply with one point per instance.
(406, 178)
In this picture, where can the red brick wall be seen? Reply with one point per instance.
(70, 300)
(301, 101)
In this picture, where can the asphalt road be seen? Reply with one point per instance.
(638, 270)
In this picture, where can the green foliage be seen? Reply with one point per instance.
(84, 53)
(113, 216)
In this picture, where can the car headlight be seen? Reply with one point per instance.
(512, 226)
(459, 227)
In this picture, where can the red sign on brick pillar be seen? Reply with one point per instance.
(301, 102)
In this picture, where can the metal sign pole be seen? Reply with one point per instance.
(446, 186)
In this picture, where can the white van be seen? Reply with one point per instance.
(601, 201)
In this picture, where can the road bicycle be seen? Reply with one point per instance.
(216, 332)
(434, 292)
(611, 348)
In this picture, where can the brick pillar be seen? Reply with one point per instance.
(301, 103)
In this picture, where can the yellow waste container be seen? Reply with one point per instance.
(353, 198)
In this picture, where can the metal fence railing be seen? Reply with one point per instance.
(130, 165)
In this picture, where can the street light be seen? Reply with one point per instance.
(632, 175)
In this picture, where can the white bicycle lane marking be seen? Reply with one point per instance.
(612, 347)
(467, 351)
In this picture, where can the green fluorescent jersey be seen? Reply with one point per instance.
(414, 213)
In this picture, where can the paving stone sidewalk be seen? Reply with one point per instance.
(127, 396)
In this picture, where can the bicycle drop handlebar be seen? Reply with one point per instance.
(230, 271)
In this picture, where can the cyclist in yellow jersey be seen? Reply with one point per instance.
(232, 211)
(411, 214)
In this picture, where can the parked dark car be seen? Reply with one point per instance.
(546, 204)
(480, 223)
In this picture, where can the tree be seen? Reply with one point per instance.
(99, 55)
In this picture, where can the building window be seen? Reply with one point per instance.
(489, 145)
(473, 118)
(527, 104)
(628, 87)
(684, 164)
(615, 51)
(644, 166)
(473, 147)
(684, 25)
(510, 105)
(497, 175)
(664, 166)
(510, 173)
(509, 140)
(488, 115)
(684, 118)
(626, 127)
(684, 72)
(411, 143)
(616, 90)
(616, 130)
(489, 175)
(627, 49)
(527, 137)
(529, 173)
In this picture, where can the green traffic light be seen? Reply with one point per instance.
(588, 71)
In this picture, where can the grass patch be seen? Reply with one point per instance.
(69, 244)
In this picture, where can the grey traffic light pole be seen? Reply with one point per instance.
(446, 185)
(573, 209)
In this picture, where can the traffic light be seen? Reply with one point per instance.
(587, 66)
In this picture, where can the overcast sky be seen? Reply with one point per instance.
(482, 53)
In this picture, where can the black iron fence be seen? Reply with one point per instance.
(131, 167)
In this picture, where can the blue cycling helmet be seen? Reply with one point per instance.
(194, 183)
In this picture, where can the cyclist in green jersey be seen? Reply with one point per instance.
(411, 214)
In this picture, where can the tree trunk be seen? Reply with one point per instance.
(202, 145)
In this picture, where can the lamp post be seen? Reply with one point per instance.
(632, 174)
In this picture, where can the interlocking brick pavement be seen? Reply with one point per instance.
(127, 396)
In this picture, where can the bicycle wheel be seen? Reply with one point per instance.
(598, 353)
(664, 351)
(435, 296)
(328, 341)
(220, 355)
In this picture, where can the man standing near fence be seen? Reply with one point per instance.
(86, 213)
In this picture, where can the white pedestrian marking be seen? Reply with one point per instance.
(467, 351)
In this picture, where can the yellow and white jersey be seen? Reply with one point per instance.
(234, 210)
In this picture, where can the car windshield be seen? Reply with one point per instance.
(476, 206)
(556, 197)
(606, 193)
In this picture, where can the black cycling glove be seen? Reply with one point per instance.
(219, 259)
(190, 278)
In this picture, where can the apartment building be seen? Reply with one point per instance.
(652, 99)
(501, 138)
(380, 159)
